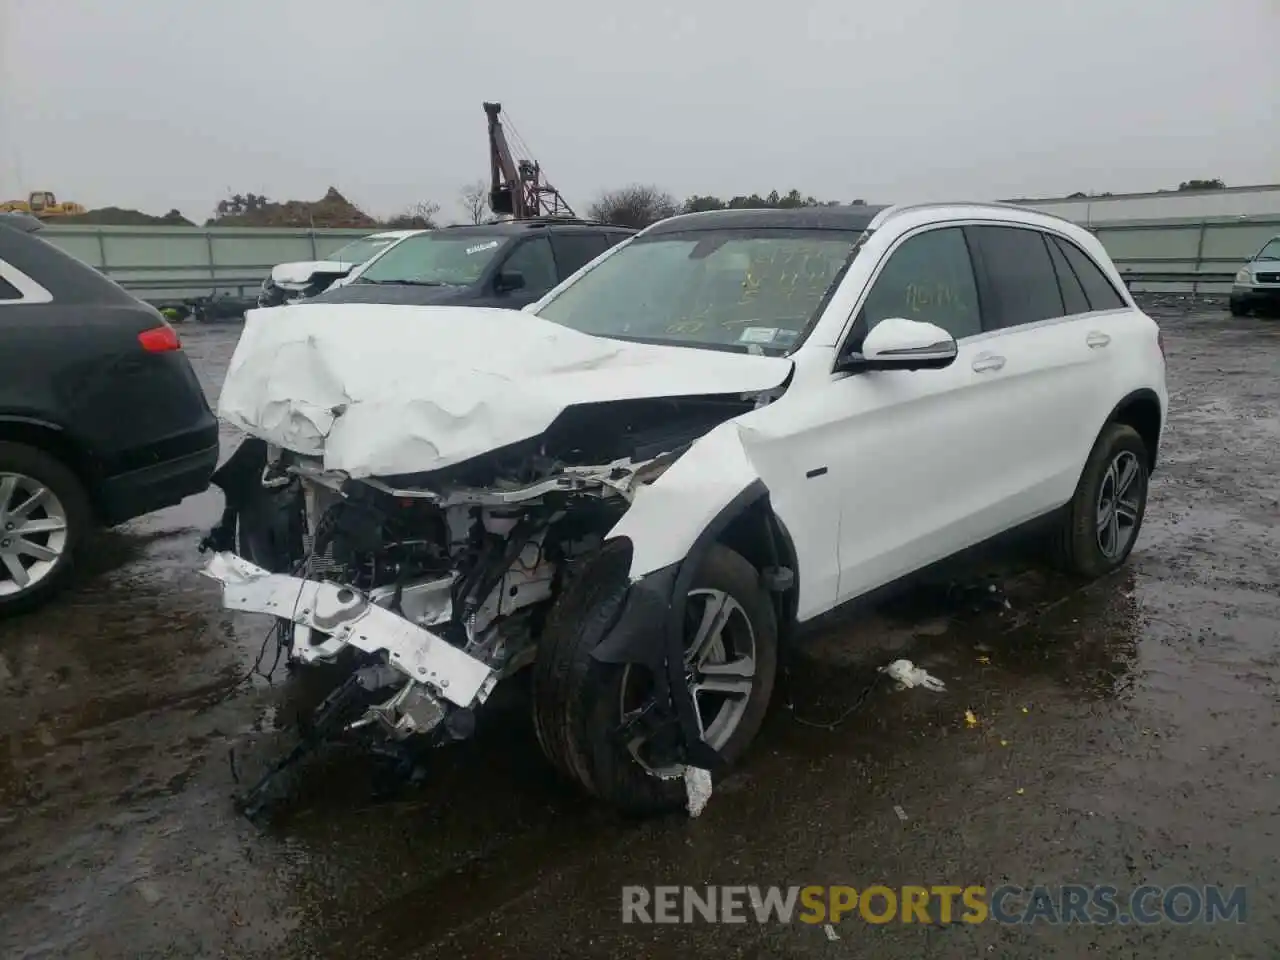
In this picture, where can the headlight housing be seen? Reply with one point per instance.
(1244, 276)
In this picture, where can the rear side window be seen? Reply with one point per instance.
(18, 288)
(1022, 286)
(1102, 295)
(1073, 298)
(574, 249)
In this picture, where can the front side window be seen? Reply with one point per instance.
(434, 260)
(929, 278)
(743, 289)
(532, 260)
(1022, 284)
(360, 251)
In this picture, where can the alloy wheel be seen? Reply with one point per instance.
(719, 668)
(1119, 504)
(33, 533)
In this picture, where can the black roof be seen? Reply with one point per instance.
(514, 227)
(852, 217)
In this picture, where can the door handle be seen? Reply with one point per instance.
(1097, 339)
(987, 361)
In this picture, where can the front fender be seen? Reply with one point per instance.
(671, 524)
(669, 515)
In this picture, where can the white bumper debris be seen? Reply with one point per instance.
(697, 787)
(348, 615)
(909, 675)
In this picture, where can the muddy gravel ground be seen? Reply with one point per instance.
(1126, 733)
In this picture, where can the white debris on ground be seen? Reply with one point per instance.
(697, 785)
(831, 932)
(902, 814)
(909, 675)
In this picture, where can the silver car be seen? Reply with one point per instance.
(1257, 283)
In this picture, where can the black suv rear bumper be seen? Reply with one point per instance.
(129, 495)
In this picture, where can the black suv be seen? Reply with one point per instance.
(506, 264)
(101, 416)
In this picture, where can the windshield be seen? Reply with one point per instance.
(358, 251)
(1271, 251)
(435, 259)
(748, 290)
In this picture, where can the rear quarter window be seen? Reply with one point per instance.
(8, 291)
(1102, 295)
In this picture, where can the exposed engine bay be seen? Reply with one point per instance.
(435, 587)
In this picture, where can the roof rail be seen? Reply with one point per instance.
(896, 209)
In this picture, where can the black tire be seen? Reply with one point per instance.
(577, 700)
(17, 458)
(1237, 308)
(1078, 544)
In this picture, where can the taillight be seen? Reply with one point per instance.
(160, 339)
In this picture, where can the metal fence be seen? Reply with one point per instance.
(1185, 255)
(176, 263)
(1199, 255)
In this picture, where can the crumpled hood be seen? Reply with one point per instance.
(381, 390)
(301, 273)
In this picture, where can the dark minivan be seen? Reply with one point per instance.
(102, 418)
(506, 264)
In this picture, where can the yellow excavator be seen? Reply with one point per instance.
(41, 204)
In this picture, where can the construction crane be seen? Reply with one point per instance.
(42, 204)
(518, 189)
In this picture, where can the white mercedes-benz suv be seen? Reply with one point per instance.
(640, 485)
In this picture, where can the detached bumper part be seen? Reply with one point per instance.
(347, 615)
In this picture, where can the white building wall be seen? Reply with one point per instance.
(1231, 202)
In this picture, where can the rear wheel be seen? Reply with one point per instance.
(581, 706)
(1102, 521)
(44, 517)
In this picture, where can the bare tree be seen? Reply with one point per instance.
(474, 198)
(417, 216)
(637, 205)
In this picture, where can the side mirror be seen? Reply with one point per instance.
(507, 281)
(900, 344)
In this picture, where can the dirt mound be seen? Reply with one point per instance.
(331, 210)
(121, 217)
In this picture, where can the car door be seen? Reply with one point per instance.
(574, 249)
(1044, 352)
(532, 259)
(912, 451)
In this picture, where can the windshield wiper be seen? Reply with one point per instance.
(694, 344)
(404, 283)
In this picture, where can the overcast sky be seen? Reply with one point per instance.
(156, 104)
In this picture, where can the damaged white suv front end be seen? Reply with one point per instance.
(423, 533)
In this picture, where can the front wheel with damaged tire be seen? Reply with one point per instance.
(595, 720)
